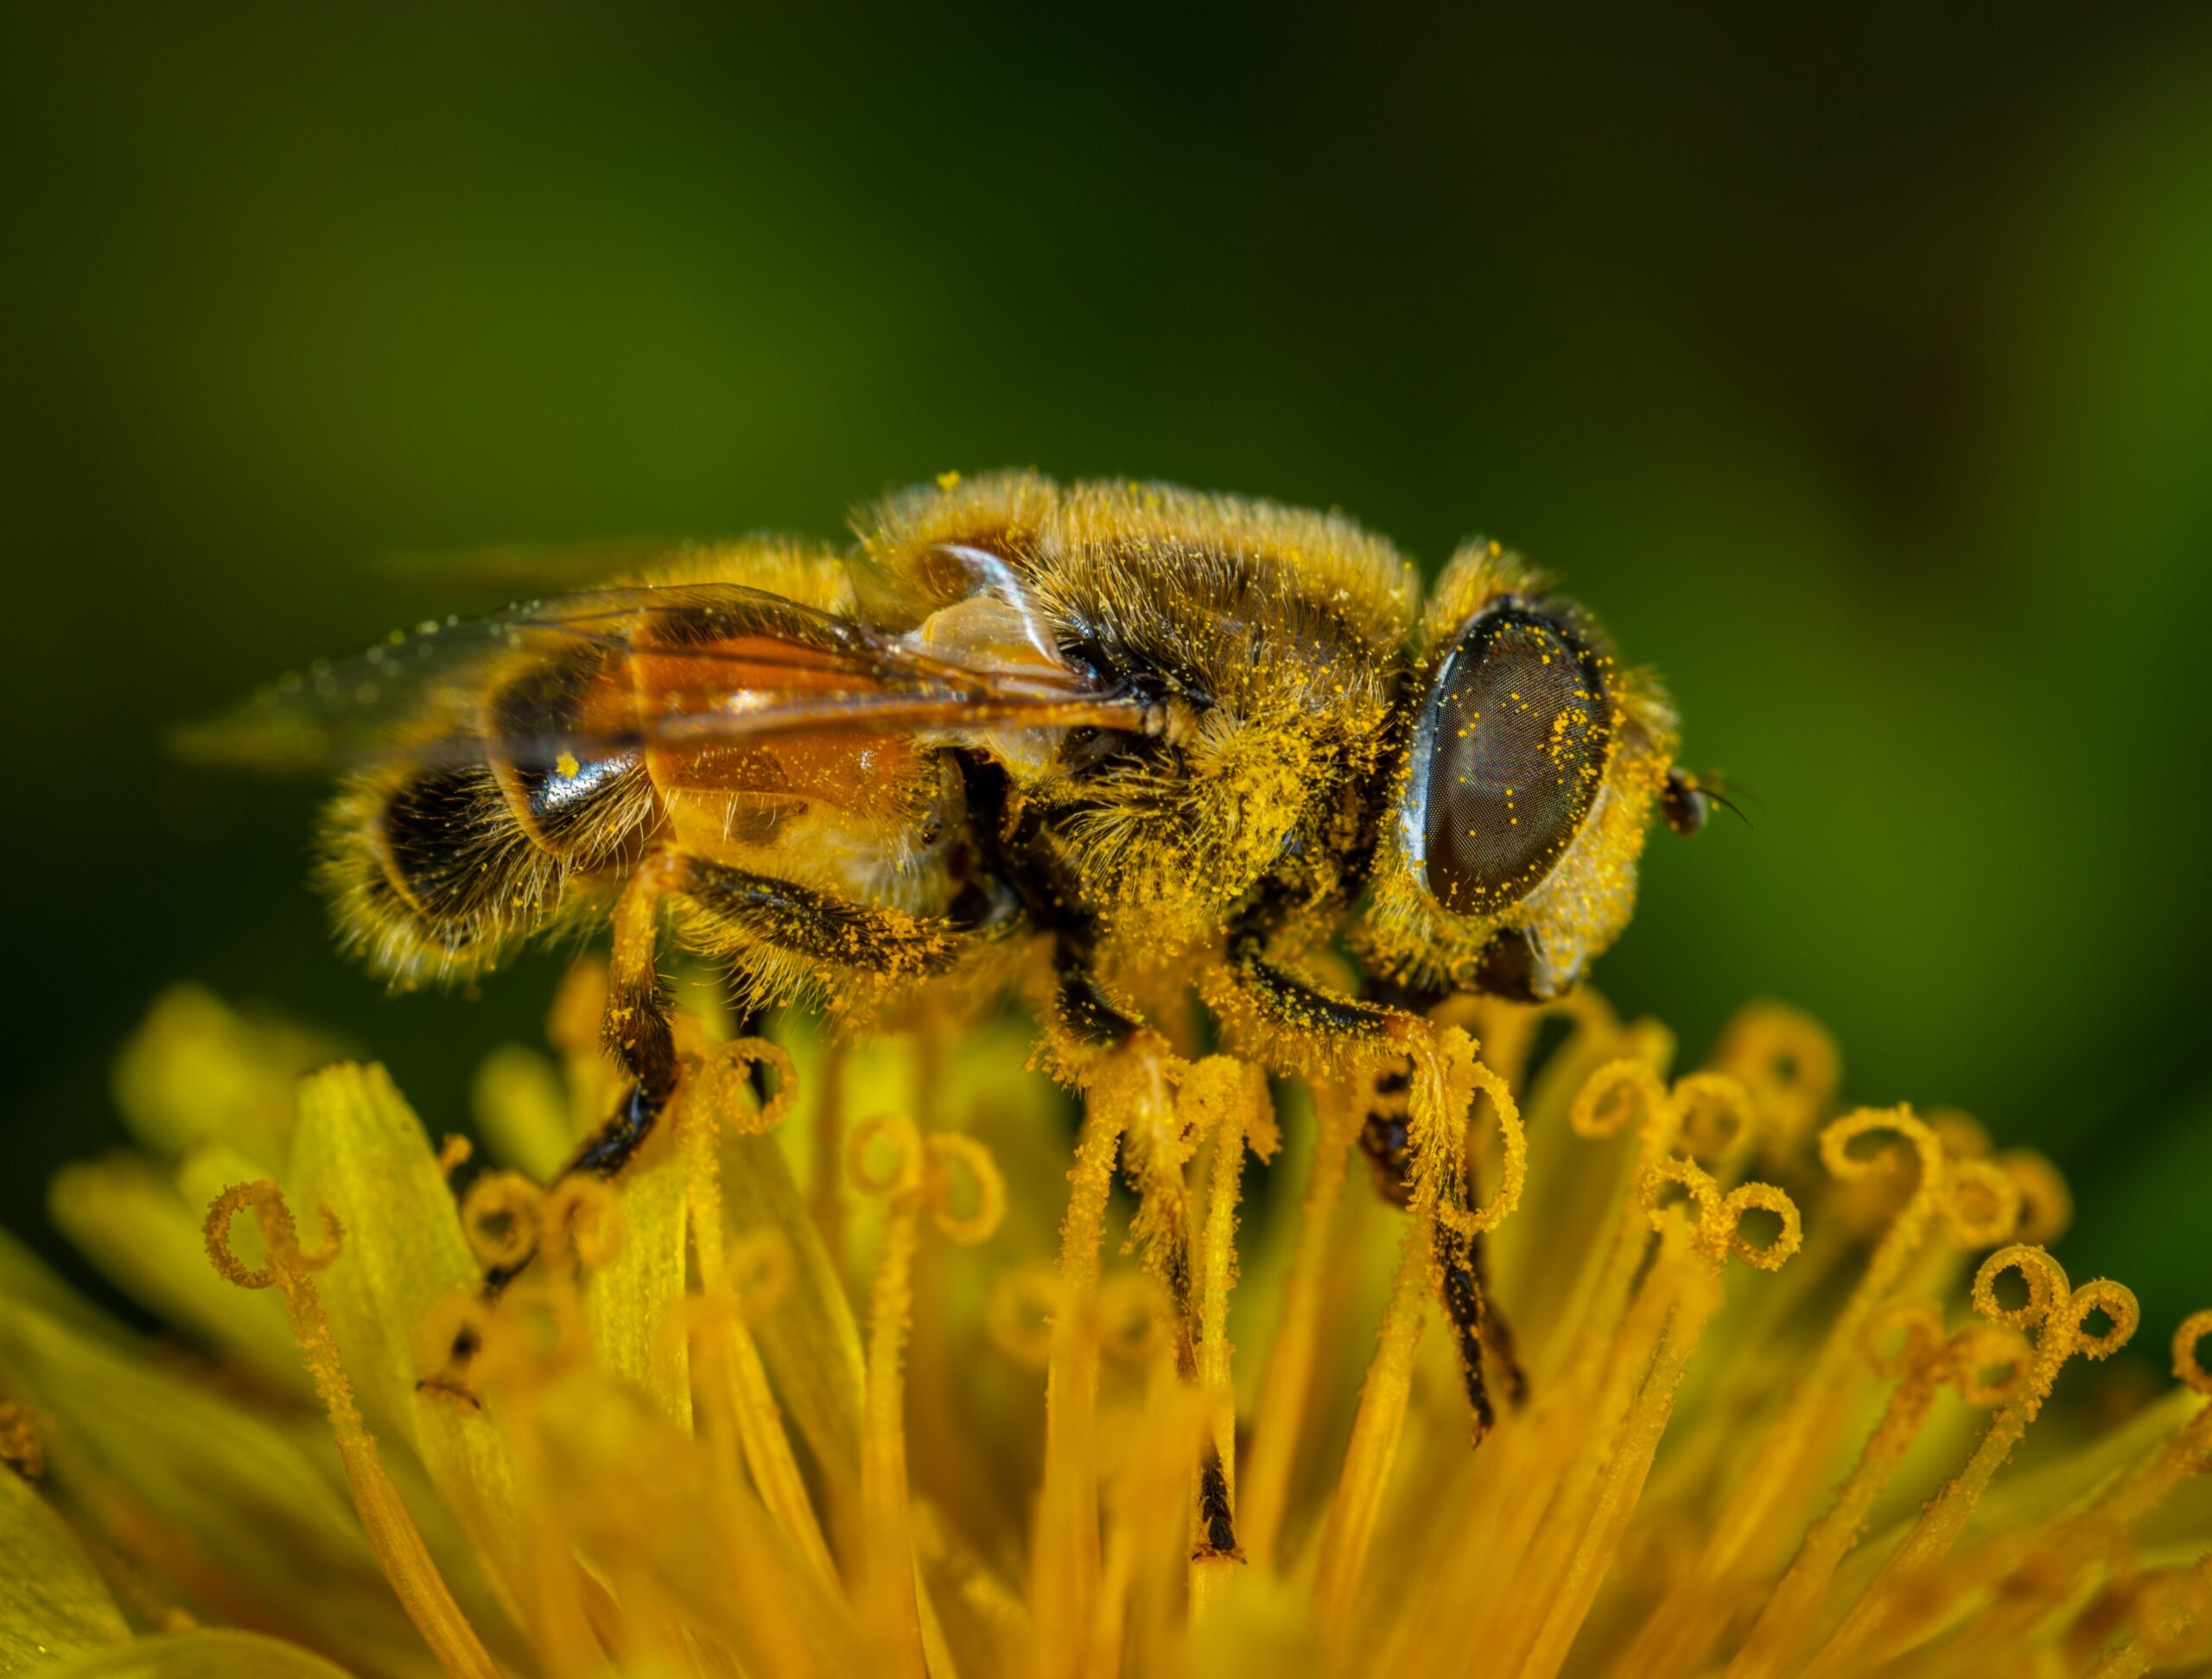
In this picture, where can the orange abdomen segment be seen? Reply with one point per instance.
(732, 798)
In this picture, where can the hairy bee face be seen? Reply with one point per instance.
(1507, 860)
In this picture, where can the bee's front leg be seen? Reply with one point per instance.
(1304, 1022)
(1480, 1333)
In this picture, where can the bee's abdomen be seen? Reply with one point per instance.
(560, 738)
(447, 840)
(439, 867)
(429, 874)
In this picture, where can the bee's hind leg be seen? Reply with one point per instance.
(638, 1034)
(635, 1030)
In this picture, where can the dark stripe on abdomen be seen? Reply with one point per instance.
(577, 793)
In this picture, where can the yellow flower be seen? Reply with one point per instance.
(814, 1390)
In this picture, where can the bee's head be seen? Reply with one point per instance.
(1508, 861)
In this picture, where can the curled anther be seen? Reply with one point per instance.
(581, 1217)
(1982, 1203)
(726, 1082)
(1989, 1364)
(2119, 1306)
(534, 1332)
(1963, 1136)
(1787, 1060)
(1919, 1328)
(1132, 1318)
(1961, 1133)
(1717, 1120)
(760, 1269)
(280, 1235)
(2188, 1352)
(1512, 1174)
(1018, 1316)
(500, 1218)
(2173, 1615)
(1677, 1172)
(2042, 1276)
(905, 1142)
(1615, 1094)
(1838, 1136)
(953, 1155)
(1762, 1198)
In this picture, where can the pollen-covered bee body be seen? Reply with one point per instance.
(1123, 740)
(1266, 645)
(1118, 743)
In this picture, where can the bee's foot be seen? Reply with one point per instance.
(453, 1389)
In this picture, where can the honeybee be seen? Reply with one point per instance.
(1112, 742)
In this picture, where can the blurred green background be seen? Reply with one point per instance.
(1858, 371)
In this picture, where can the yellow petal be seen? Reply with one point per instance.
(247, 1514)
(696, 1540)
(633, 1300)
(25, 1277)
(204, 1655)
(52, 1604)
(809, 1342)
(199, 1071)
(361, 1152)
(522, 1111)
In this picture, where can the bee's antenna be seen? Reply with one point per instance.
(1726, 804)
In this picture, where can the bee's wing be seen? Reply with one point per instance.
(710, 662)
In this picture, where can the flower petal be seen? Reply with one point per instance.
(361, 1152)
(522, 1112)
(26, 1278)
(198, 1071)
(809, 1342)
(200, 1655)
(633, 1300)
(247, 1519)
(52, 1604)
(701, 1540)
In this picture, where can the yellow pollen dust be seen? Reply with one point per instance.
(1641, 1363)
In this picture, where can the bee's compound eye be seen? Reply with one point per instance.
(1521, 727)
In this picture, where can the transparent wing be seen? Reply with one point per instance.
(703, 662)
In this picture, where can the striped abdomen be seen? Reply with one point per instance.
(522, 817)
(439, 864)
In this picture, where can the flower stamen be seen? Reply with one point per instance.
(398, 1545)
